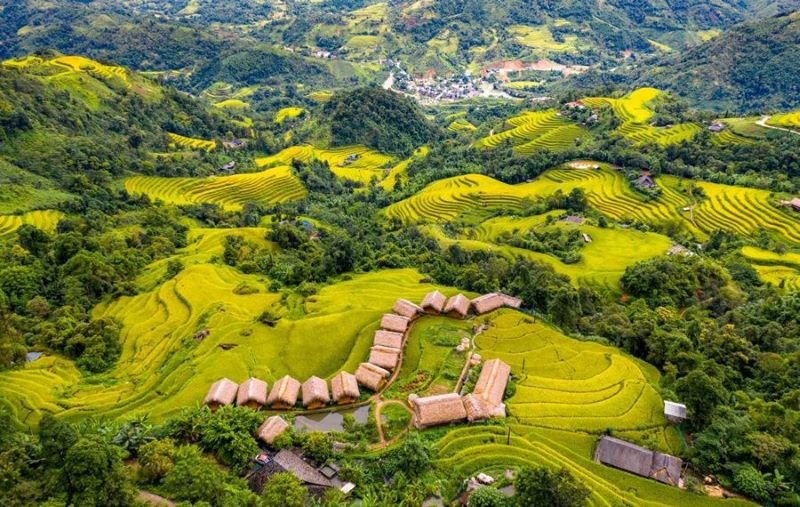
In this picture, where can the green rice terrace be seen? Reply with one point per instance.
(736, 209)
(274, 185)
(532, 131)
(780, 270)
(45, 220)
(633, 111)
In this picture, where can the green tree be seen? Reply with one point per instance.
(488, 497)
(542, 487)
(34, 240)
(93, 475)
(155, 459)
(229, 434)
(195, 478)
(318, 446)
(283, 490)
(56, 437)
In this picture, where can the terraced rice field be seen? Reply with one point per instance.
(35, 390)
(742, 211)
(461, 124)
(192, 143)
(568, 392)
(780, 270)
(398, 172)
(729, 137)
(45, 220)
(536, 130)
(369, 163)
(603, 261)
(234, 104)
(162, 368)
(540, 37)
(786, 120)
(73, 64)
(634, 112)
(321, 95)
(288, 112)
(607, 190)
(272, 186)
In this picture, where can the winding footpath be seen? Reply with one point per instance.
(763, 123)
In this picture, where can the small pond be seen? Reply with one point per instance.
(330, 421)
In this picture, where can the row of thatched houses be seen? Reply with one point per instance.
(484, 402)
(285, 392)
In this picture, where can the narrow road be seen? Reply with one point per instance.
(763, 123)
(153, 499)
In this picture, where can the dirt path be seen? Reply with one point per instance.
(153, 499)
(763, 123)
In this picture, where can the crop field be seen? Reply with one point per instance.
(780, 270)
(568, 393)
(540, 37)
(398, 172)
(369, 163)
(275, 185)
(535, 130)
(72, 64)
(606, 190)
(743, 211)
(735, 209)
(460, 124)
(233, 104)
(194, 144)
(321, 96)
(634, 113)
(603, 261)
(288, 112)
(162, 368)
(786, 120)
(45, 220)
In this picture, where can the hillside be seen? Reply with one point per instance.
(751, 67)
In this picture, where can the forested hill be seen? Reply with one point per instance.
(97, 121)
(752, 67)
(444, 35)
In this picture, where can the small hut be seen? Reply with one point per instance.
(476, 408)
(284, 393)
(795, 204)
(252, 393)
(491, 302)
(371, 376)
(222, 392)
(491, 384)
(675, 412)
(434, 302)
(385, 357)
(638, 460)
(287, 461)
(388, 339)
(438, 409)
(406, 309)
(345, 388)
(271, 428)
(395, 323)
(315, 393)
(457, 306)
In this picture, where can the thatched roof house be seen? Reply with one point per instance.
(315, 393)
(385, 357)
(388, 339)
(345, 388)
(284, 393)
(638, 460)
(222, 392)
(271, 428)
(395, 323)
(490, 302)
(439, 409)
(287, 461)
(406, 309)
(371, 376)
(491, 384)
(476, 408)
(252, 393)
(457, 306)
(434, 302)
(675, 412)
